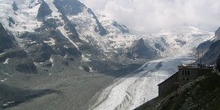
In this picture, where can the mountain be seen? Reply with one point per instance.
(211, 55)
(67, 32)
(64, 46)
(51, 33)
(140, 49)
(111, 25)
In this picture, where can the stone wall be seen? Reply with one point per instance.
(168, 85)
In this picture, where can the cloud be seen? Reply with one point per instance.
(148, 16)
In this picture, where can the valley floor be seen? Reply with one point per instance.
(73, 92)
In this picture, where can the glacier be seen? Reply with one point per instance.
(140, 86)
(135, 89)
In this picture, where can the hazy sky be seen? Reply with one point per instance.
(148, 16)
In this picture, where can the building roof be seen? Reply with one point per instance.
(174, 75)
(199, 66)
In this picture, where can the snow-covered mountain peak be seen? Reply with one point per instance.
(181, 30)
(111, 25)
(181, 40)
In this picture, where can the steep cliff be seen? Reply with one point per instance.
(210, 49)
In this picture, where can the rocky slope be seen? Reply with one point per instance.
(210, 52)
(12, 57)
(140, 49)
(201, 94)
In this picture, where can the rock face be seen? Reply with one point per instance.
(5, 40)
(213, 53)
(140, 49)
(218, 63)
(217, 33)
(12, 56)
(43, 11)
(204, 47)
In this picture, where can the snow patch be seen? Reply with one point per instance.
(50, 42)
(3, 80)
(91, 69)
(8, 103)
(85, 59)
(65, 46)
(52, 61)
(81, 67)
(2, 53)
(6, 61)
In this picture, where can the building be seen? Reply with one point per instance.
(191, 72)
(168, 85)
(185, 74)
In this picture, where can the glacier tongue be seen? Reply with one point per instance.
(139, 87)
(135, 89)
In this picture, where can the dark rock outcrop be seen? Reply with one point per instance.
(140, 49)
(13, 57)
(40, 52)
(43, 11)
(218, 63)
(69, 7)
(213, 53)
(15, 7)
(5, 40)
(122, 28)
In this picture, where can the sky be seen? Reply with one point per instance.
(150, 16)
